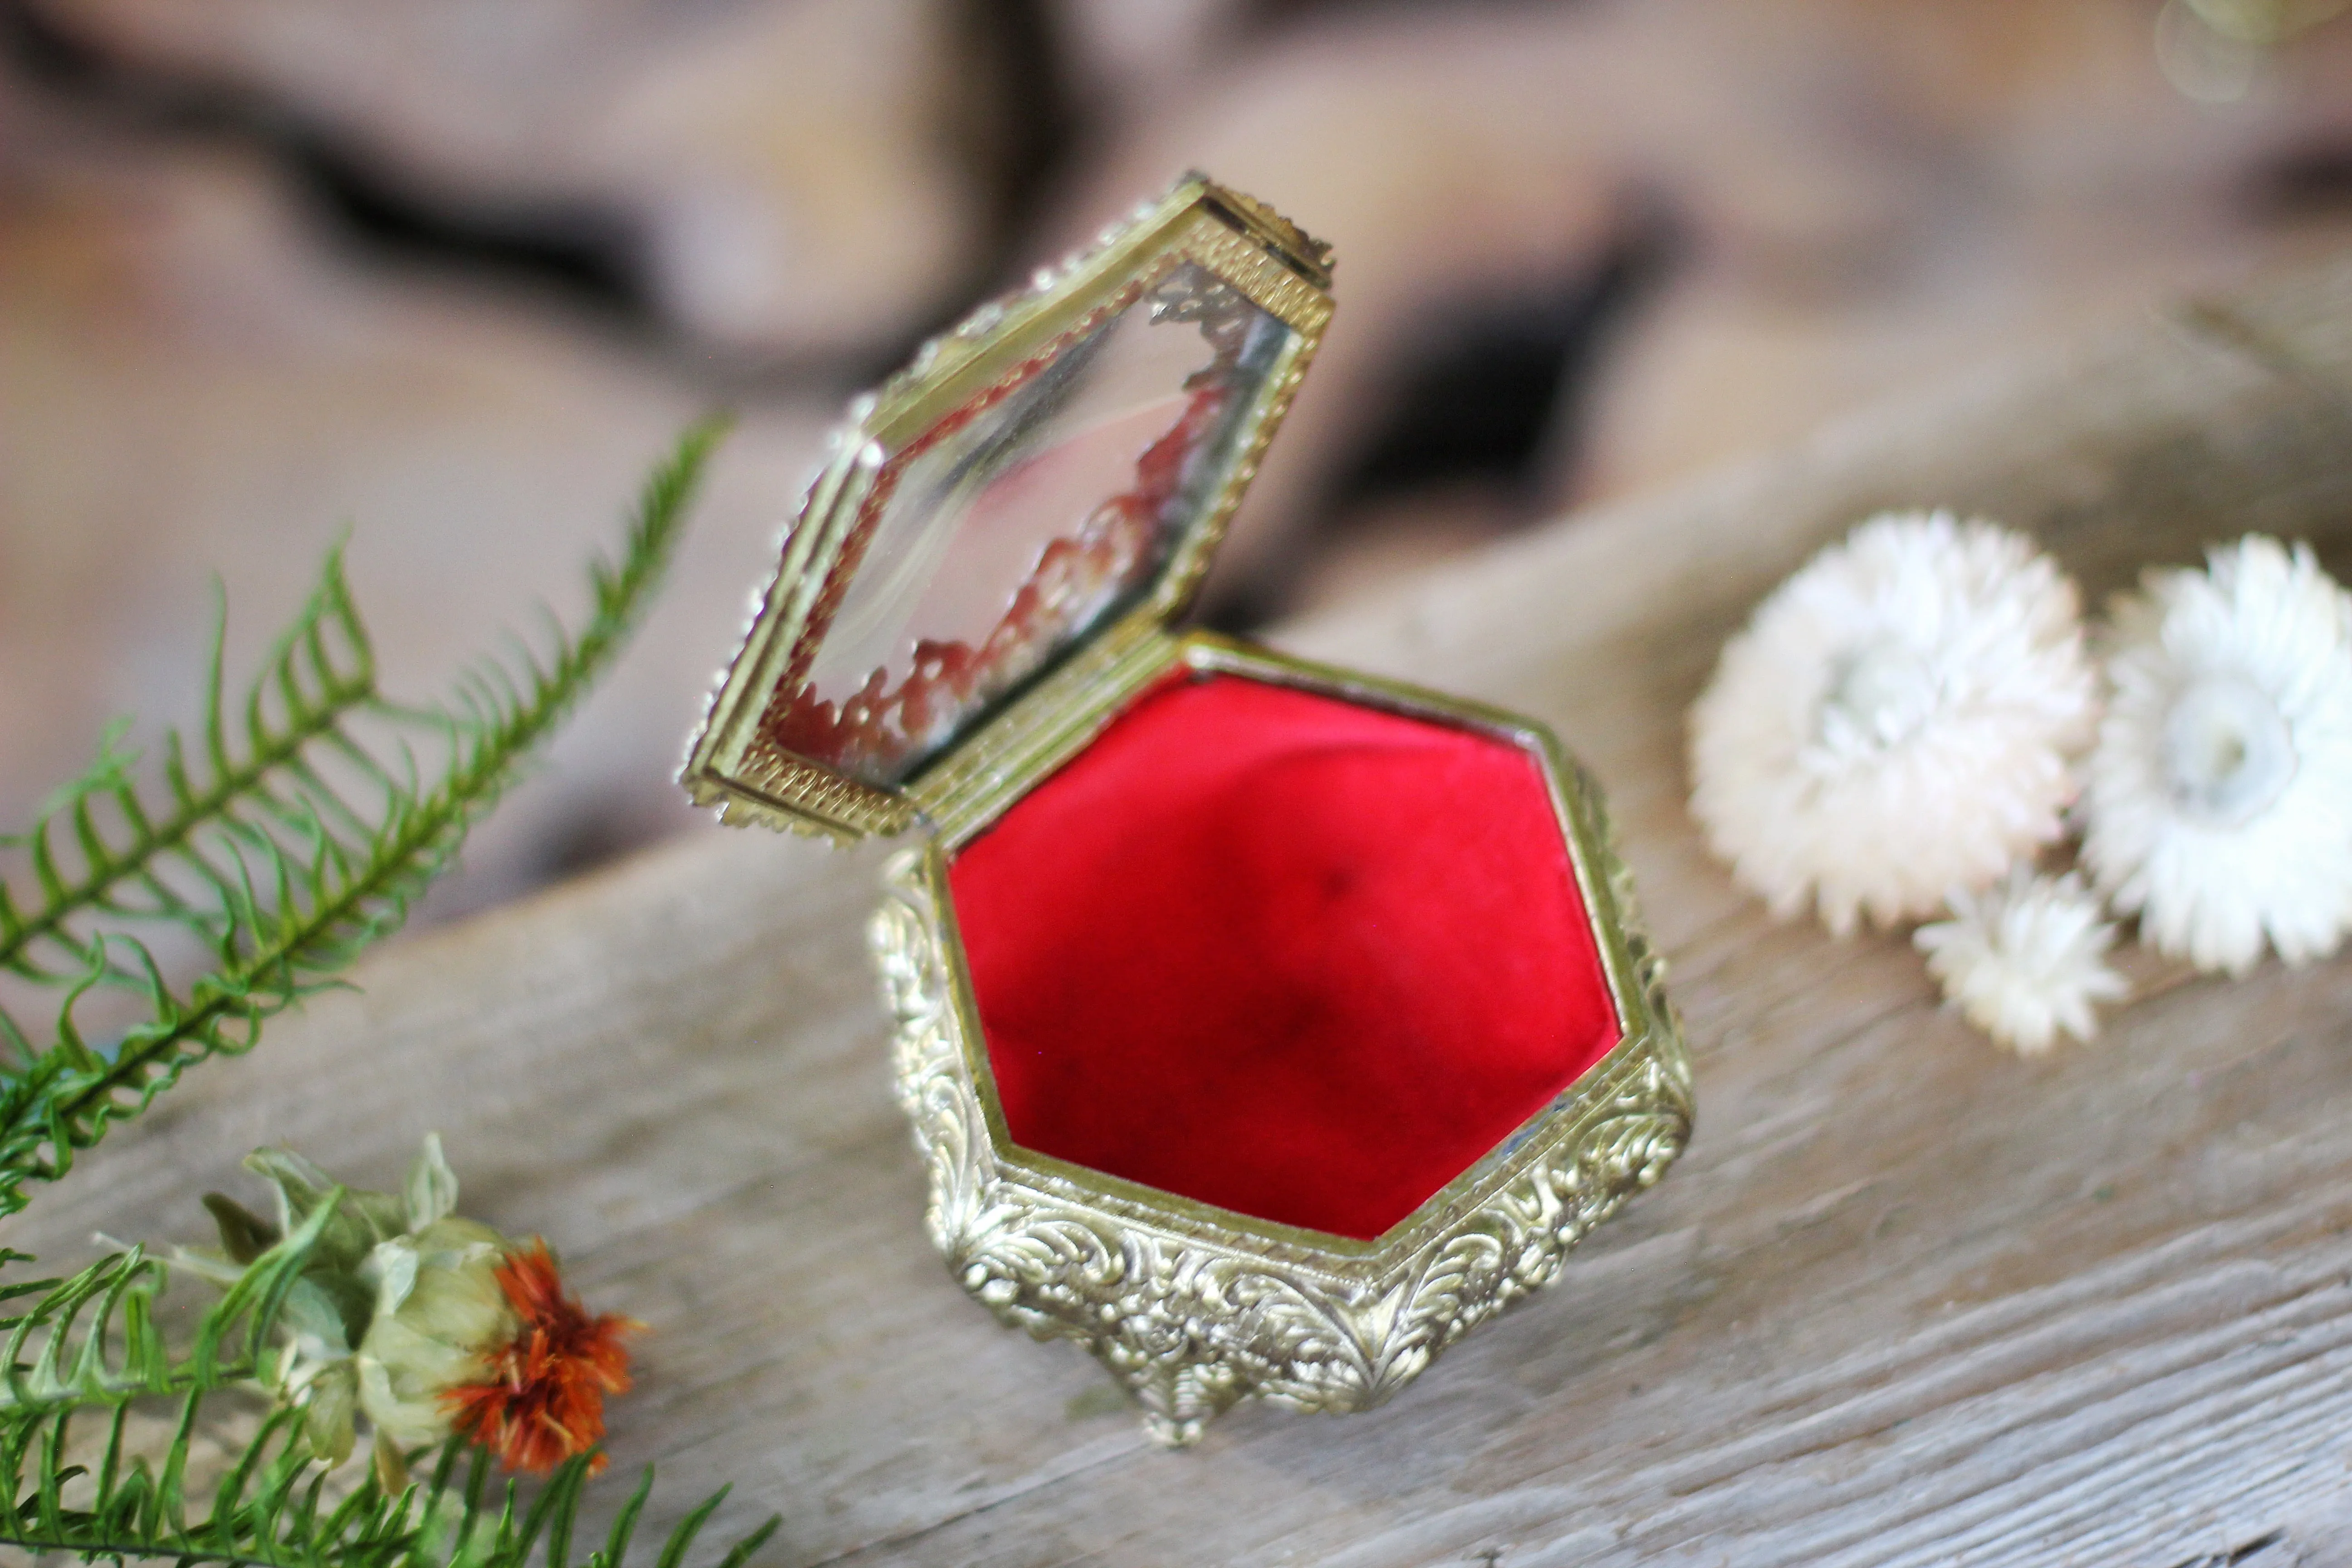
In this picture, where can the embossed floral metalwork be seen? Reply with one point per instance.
(1193, 1307)
(1190, 1307)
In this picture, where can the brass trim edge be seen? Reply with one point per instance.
(1193, 1307)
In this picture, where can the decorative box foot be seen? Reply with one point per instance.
(1178, 1403)
(1170, 1433)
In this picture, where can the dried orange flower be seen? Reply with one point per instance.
(545, 1401)
(423, 1322)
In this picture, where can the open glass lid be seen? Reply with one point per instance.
(1050, 476)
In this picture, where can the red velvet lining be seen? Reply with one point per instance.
(1281, 954)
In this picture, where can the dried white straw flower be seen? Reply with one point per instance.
(2025, 959)
(2218, 805)
(1895, 720)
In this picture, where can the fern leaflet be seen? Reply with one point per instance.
(273, 1508)
(89, 1345)
(296, 828)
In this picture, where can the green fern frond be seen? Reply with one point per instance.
(296, 828)
(273, 1509)
(92, 1340)
(321, 672)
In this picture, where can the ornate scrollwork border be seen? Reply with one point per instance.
(1190, 1314)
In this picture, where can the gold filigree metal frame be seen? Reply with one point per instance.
(733, 764)
(1193, 1307)
(1190, 1306)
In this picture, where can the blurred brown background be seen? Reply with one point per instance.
(449, 273)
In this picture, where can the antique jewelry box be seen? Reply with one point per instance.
(1265, 1027)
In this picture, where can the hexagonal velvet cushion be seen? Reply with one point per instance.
(1281, 953)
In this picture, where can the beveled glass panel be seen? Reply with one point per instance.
(1004, 535)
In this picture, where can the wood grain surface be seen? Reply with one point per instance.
(1907, 1299)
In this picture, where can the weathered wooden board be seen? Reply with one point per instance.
(1907, 1299)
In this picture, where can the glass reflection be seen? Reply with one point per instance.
(1022, 521)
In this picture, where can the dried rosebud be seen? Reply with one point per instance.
(440, 1315)
(428, 1323)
